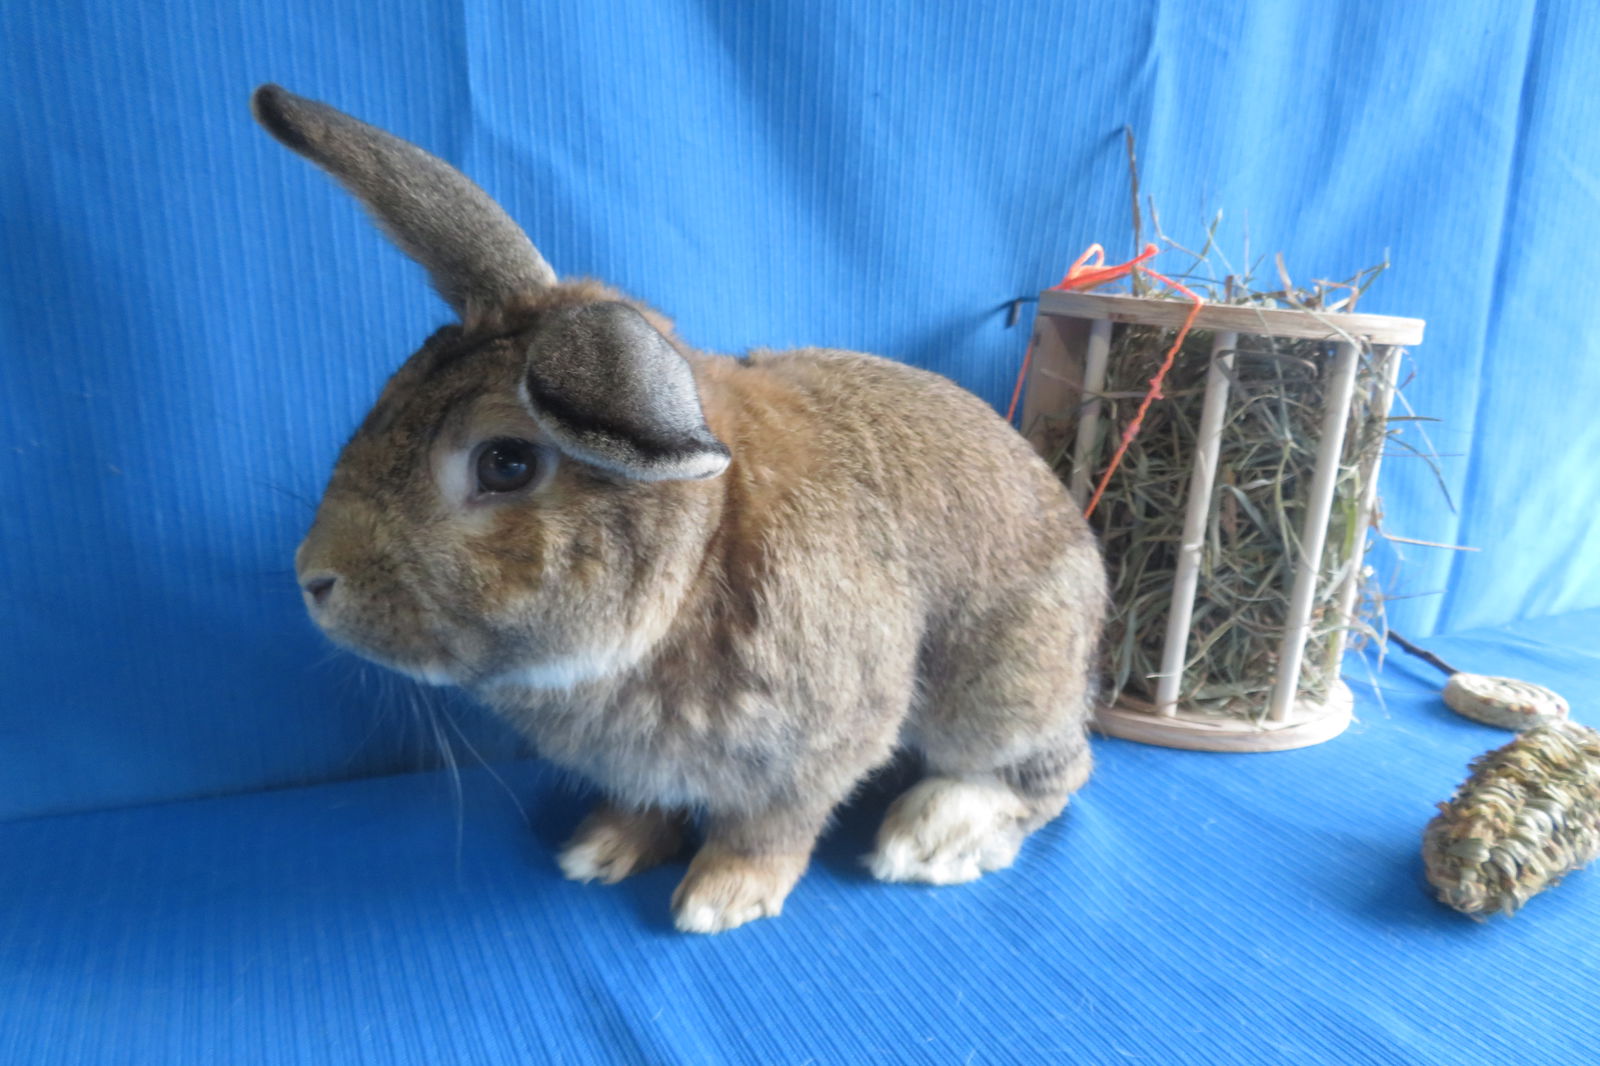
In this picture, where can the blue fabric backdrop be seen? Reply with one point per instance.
(191, 319)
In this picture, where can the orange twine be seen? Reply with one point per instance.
(1086, 275)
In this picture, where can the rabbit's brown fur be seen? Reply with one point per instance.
(735, 608)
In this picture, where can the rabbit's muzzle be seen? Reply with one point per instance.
(361, 592)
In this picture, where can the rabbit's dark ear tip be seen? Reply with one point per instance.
(270, 105)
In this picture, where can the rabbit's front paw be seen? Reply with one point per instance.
(723, 889)
(947, 830)
(612, 844)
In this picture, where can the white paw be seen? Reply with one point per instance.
(723, 891)
(591, 860)
(715, 917)
(946, 830)
(611, 845)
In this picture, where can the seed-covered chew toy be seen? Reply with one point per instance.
(1501, 701)
(1527, 816)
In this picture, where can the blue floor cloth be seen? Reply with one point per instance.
(1190, 908)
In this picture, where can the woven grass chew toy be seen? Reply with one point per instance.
(1528, 816)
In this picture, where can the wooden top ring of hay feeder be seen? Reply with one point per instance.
(1064, 419)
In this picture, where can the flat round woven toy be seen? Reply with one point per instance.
(1503, 701)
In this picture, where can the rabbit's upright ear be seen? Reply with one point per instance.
(614, 392)
(481, 262)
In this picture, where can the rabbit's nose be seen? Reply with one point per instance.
(319, 587)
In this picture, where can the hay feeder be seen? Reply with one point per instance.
(1352, 379)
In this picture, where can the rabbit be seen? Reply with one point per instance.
(724, 589)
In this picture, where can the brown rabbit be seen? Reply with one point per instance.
(717, 587)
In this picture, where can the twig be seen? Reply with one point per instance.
(1426, 656)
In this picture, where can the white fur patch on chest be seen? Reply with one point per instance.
(563, 673)
(429, 674)
(566, 672)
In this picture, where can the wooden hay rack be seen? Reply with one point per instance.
(1062, 416)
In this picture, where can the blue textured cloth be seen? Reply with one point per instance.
(1189, 909)
(192, 319)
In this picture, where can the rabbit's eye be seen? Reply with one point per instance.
(507, 465)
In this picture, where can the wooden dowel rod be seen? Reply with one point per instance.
(1313, 535)
(1382, 401)
(1257, 321)
(1094, 383)
(1197, 507)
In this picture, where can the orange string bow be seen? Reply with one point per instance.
(1086, 275)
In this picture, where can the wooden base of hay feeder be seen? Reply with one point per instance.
(1074, 337)
(1308, 722)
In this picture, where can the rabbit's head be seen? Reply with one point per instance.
(527, 501)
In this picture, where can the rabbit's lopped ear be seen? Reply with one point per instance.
(614, 392)
(481, 262)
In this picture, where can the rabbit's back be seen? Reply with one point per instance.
(943, 490)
